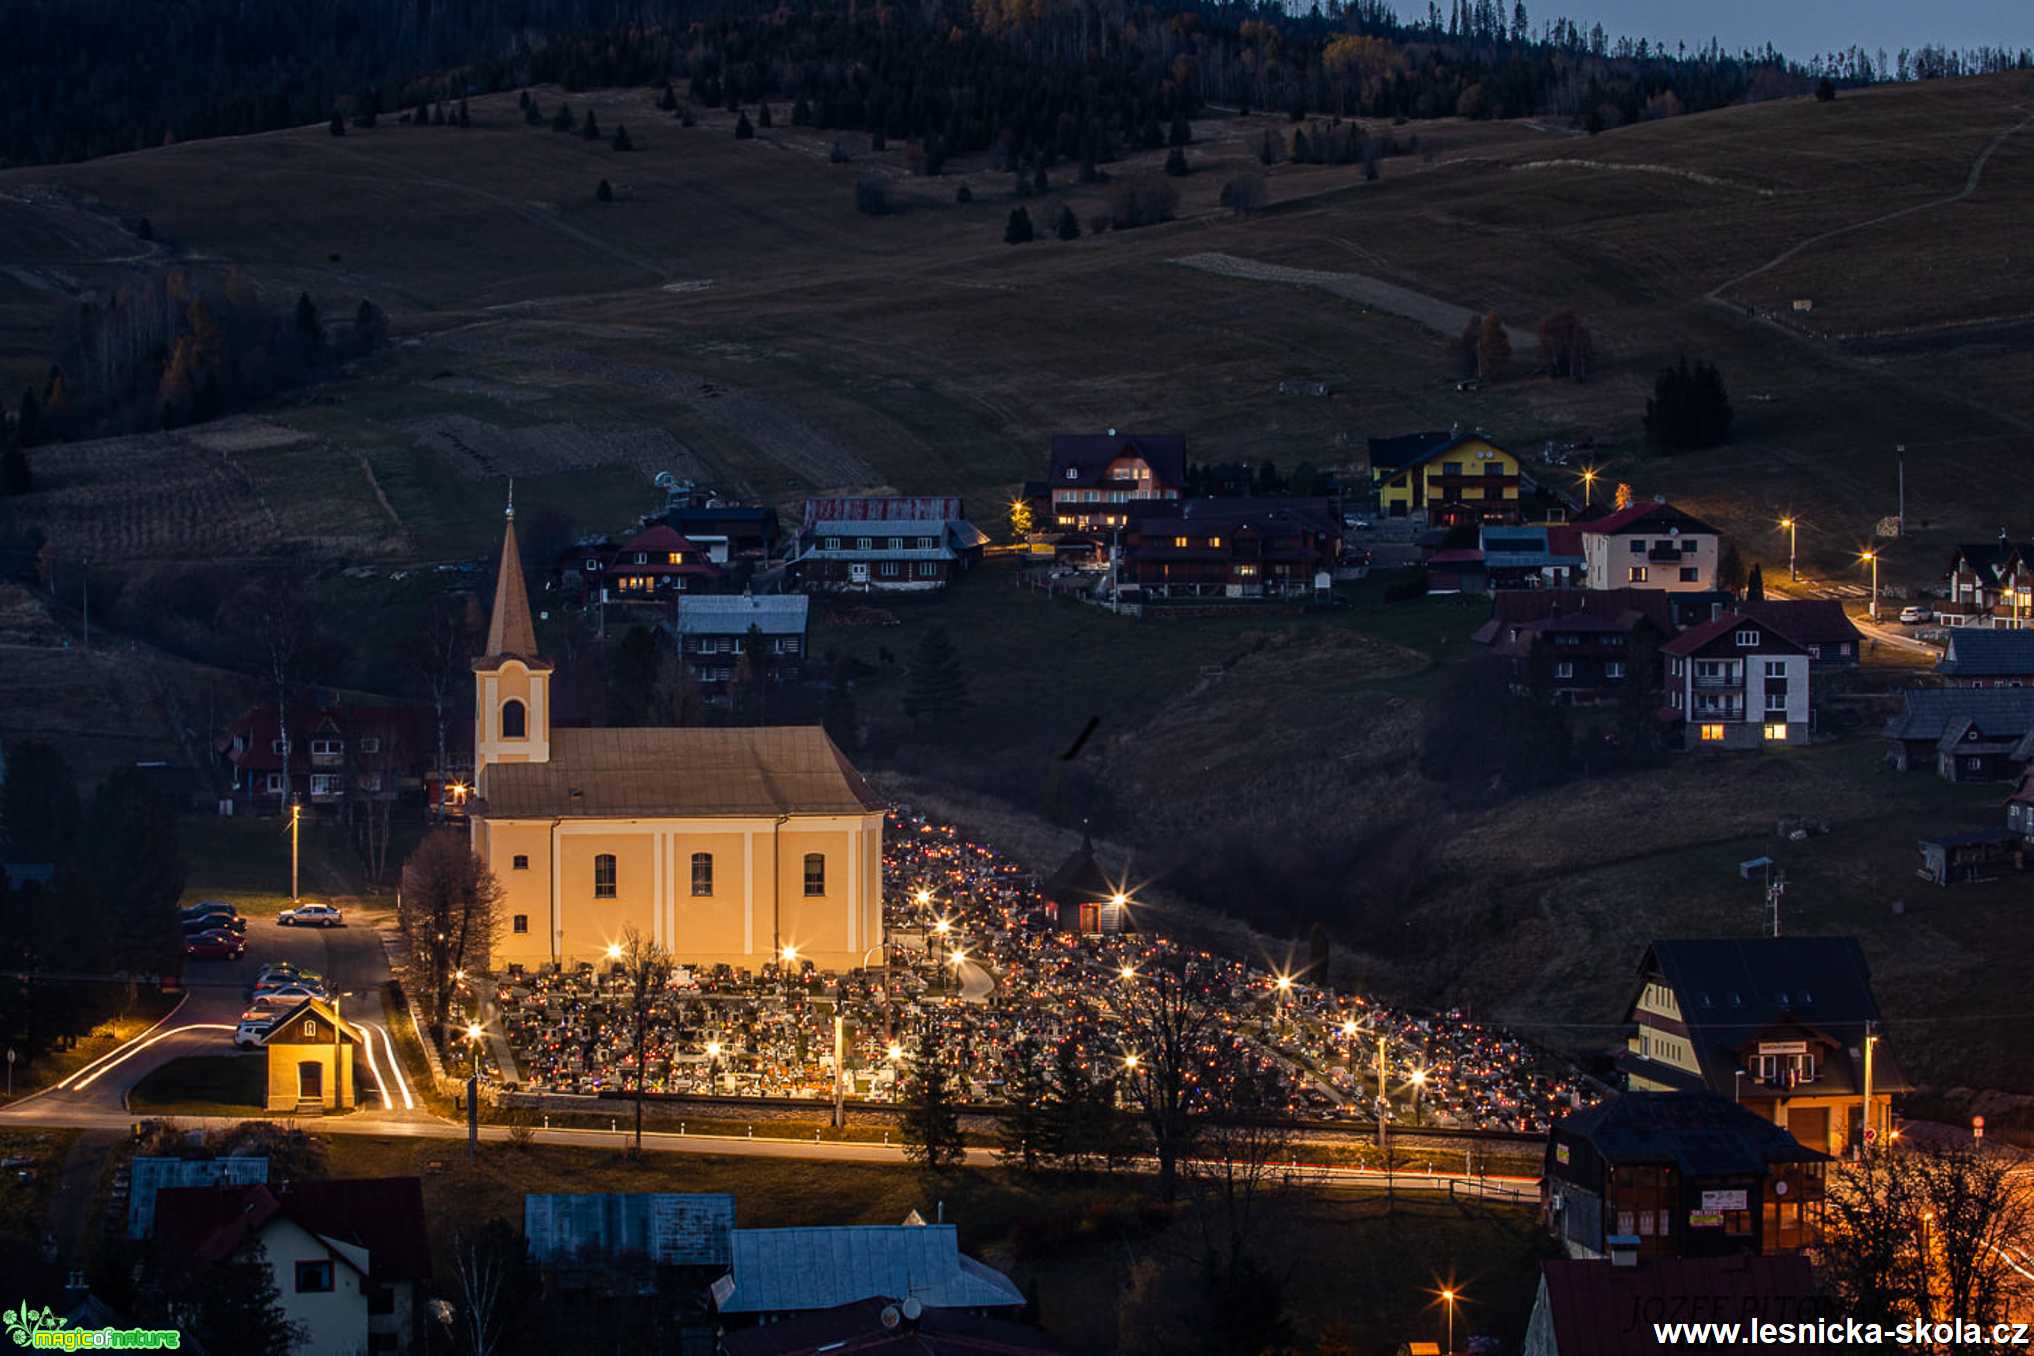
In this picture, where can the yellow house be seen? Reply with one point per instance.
(1461, 479)
(310, 1060)
(725, 846)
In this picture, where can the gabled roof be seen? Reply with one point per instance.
(774, 614)
(1635, 517)
(149, 1175)
(693, 771)
(284, 1031)
(1805, 621)
(903, 510)
(1989, 558)
(1390, 454)
(1700, 1133)
(1590, 1304)
(1081, 878)
(1516, 607)
(383, 1215)
(1731, 988)
(668, 1228)
(1446, 445)
(794, 1270)
(1088, 455)
(1929, 712)
(1987, 652)
(661, 538)
(1696, 639)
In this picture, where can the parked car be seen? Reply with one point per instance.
(213, 946)
(311, 915)
(215, 922)
(267, 1002)
(251, 1029)
(283, 972)
(210, 909)
(293, 994)
(1914, 614)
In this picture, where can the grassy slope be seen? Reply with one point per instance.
(204, 1085)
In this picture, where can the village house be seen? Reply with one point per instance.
(2020, 806)
(652, 566)
(1987, 657)
(1575, 646)
(775, 1273)
(892, 543)
(1786, 1026)
(1608, 1308)
(339, 753)
(1095, 477)
(715, 633)
(1738, 684)
(345, 1256)
(1531, 555)
(1650, 545)
(1974, 854)
(1966, 734)
(1229, 548)
(1393, 454)
(1819, 626)
(1686, 1174)
(1461, 479)
(1989, 584)
(729, 533)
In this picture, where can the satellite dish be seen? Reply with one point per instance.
(890, 1317)
(913, 1309)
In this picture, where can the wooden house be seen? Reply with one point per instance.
(1966, 734)
(1989, 584)
(1463, 479)
(1094, 478)
(1987, 657)
(885, 543)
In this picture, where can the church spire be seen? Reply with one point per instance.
(511, 632)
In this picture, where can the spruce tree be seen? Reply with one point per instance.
(744, 130)
(1176, 163)
(936, 685)
(621, 140)
(801, 112)
(563, 120)
(603, 192)
(1069, 226)
(1018, 231)
(235, 1306)
(667, 100)
(1023, 1128)
(930, 1126)
(1755, 585)
(590, 129)
(1082, 1128)
(964, 194)
(1182, 133)
(763, 116)
(310, 330)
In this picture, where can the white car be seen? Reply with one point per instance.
(292, 994)
(1913, 615)
(250, 1031)
(284, 972)
(311, 916)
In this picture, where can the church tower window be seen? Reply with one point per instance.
(514, 720)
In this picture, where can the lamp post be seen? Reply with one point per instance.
(712, 1067)
(1873, 557)
(1588, 484)
(1793, 528)
(1419, 1081)
(296, 817)
(473, 1092)
(1448, 1300)
(840, 1055)
(957, 959)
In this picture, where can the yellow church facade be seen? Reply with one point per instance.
(726, 846)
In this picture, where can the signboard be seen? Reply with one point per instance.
(1783, 1047)
(1704, 1219)
(1560, 1153)
(1723, 1200)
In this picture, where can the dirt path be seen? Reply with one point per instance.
(1970, 186)
(1443, 317)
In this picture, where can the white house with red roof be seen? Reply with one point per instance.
(1738, 683)
(1650, 545)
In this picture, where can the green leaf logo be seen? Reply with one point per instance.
(26, 1321)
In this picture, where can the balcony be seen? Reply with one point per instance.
(1718, 683)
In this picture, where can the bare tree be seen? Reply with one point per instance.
(442, 656)
(646, 968)
(277, 616)
(487, 1266)
(451, 909)
(1168, 1021)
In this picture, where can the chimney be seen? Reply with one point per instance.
(1623, 1250)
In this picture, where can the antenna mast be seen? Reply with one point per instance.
(1776, 889)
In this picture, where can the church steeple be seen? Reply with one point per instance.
(511, 682)
(511, 632)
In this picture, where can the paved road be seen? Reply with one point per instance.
(350, 959)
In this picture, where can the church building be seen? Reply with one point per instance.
(725, 846)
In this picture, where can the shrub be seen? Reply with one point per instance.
(1018, 231)
(1176, 163)
(964, 194)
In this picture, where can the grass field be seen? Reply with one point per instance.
(1367, 1269)
(204, 1085)
(108, 1015)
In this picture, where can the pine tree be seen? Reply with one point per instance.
(763, 117)
(1182, 133)
(930, 1126)
(563, 121)
(1018, 231)
(603, 192)
(235, 1306)
(744, 129)
(667, 100)
(1069, 225)
(621, 140)
(935, 685)
(1023, 1130)
(1081, 1125)
(964, 194)
(590, 129)
(310, 330)
(1755, 585)
(1176, 163)
(801, 112)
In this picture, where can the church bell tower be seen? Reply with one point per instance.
(511, 682)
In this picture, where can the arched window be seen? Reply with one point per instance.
(603, 876)
(702, 873)
(815, 873)
(514, 723)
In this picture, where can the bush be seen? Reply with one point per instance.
(964, 194)
(1825, 90)
(1068, 227)
(872, 195)
(1018, 231)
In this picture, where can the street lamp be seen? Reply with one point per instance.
(943, 926)
(924, 896)
(1128, 972)
(1588, 484)
(614, 951)
(895, 1052)
(1873, 557)
(1130, 1062)
(1792, 525)
(1448, 1299)
(1419, 1081)
(712, 1067)
(296, 819)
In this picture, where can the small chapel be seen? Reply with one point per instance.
(726, 846)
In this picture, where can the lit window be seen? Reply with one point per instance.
(1712, 734)
(702, 873)
(672, 558)
(815, 873)
(1564, 670)
(1613, 669)
(1776, 731)
(1179, 541)
(1215, 542)
(324, 784)
(1638, 574)
(603, 876)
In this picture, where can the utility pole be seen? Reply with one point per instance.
(840, 1057)
(1871, 1129)
(296, 816)
(1776, 887)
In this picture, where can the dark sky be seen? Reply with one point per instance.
(1800, 28)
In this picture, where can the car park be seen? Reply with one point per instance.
(311, 915)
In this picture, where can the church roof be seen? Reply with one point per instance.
(691, 772)
(511, 634)
(1081, 877)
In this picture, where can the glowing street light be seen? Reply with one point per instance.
(1873, 557)
(924, 896)
(1128, 972)
(790, 954)
(895, 1052)
(1349, 1027)
(1130, 1062)
(713, 1049)
(943, 926)
(1792, 524)
(614, 951)
(957, 958)
(1448, 1298)
(1588, 484)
